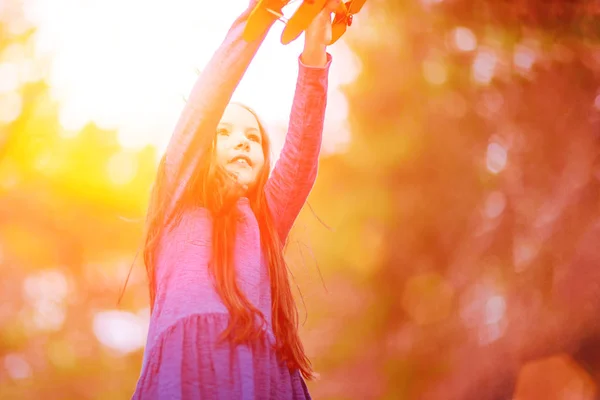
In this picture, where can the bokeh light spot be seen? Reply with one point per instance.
(428, 3)
(484, 66)
(16, 366)
(464, 39)
(523, 57)
(494, 309)
(524, 251)
(120, 330)
(597, 102)
(46, 285)
(496, 158)
(490, 333)
(494, 204)
(483, 309)
(49, 316)
(46, 292)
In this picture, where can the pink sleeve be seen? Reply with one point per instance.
(210, 95)
(296, 170)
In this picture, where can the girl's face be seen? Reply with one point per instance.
(239, 144)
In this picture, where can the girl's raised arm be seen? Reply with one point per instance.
(296, 170)
(210, 95)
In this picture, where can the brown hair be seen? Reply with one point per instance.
(206, 191)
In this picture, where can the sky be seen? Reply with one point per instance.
(129, 65)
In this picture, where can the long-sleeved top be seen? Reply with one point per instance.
(183, 358)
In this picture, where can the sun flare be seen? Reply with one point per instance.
(128, 65)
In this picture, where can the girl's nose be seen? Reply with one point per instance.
(242, 142)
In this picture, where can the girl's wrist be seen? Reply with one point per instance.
(314, 54)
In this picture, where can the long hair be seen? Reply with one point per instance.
(206, 191)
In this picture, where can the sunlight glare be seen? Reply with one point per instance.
(14, 52)
(16, 23)
(72, 118)
(9, 77)
(22, 68)
(122, 168)
(10, 107)
(127, 70)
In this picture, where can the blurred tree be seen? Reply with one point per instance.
(469, 194)
(464, 214)
(65, 241)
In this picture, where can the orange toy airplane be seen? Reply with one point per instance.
(267, 12)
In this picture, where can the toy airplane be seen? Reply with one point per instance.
(267, 12)
(344, 15)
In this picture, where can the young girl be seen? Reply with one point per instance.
(224, 323)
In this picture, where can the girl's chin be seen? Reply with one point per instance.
(242, 173)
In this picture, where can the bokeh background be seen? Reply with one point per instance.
(452, 244)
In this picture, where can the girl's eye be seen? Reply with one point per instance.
(222, 131)
(255, 138)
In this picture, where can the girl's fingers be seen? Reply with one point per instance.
(331, 5)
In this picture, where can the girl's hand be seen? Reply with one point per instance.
(318, 35)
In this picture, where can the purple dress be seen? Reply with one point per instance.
(182, 359)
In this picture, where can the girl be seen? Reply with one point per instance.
(224, 323)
